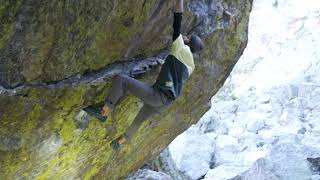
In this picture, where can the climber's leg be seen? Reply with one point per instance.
(123, 84)
(145, 113)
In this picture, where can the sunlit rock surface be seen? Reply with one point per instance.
(264, 123)
(149, 174)
(57, 57)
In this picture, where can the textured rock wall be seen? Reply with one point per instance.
(57, 57)
(51, 40)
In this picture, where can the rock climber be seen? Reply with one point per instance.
(177, 68)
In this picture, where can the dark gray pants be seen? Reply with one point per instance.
(154, 100)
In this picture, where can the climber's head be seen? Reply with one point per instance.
(194, 42)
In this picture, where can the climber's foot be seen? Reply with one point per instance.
(106, 110)
(95, 110)
(119, 142)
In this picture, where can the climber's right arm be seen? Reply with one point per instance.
(179, 6)
(177, 18)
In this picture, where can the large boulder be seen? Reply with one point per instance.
(58, 57)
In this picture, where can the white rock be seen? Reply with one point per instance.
(250, 156)
(192, 153)
(255, 126)
(149, 174)
(226, 171)
(288, 158)
(227, 149)
(260, 170)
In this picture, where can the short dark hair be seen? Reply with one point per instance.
(196, 43)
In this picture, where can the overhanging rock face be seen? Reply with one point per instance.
(57, 57)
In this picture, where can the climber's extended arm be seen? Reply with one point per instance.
(179, 6)
(177, 19)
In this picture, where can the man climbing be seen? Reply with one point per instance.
(175, 71)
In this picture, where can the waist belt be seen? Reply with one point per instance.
(166, 92)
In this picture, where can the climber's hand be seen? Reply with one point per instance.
(179, 6)
(106, 110)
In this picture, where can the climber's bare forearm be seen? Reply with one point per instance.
(179, 6)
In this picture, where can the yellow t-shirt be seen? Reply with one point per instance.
(183, 53)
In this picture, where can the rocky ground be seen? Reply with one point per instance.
(264, 124)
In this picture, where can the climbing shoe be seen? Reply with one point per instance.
(95, 111)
